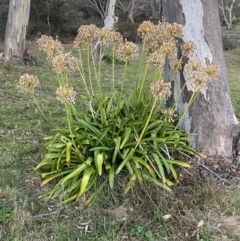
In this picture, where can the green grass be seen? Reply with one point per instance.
(139, 216)
(234, 30)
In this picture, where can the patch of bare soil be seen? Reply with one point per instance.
(231, 224)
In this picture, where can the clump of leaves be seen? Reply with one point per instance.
(109, 142)
(131, 133)
(109, 59)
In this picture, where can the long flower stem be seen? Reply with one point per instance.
(123, 78)
(69, 119)
(193, 97)
(140, 67)
(113, 68)
(173, 75)
(143, 81)
(90, 72)
(41, 112)
(146, 124)
(81, 72)
(99, 71)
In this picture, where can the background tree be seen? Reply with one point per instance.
(109, 20)
(133, 8)
(100, 6)
(15, 34)
(155, 6)
(227, 9)
(212, 115)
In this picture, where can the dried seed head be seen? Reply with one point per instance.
(87, 34)
(66, 94)
(169, 48)
(65, 64)
(115, 37)
(174, 30)
(161, 90)
(193, 65)
(188, 49)
(155, 39)
(198, 81)
(127, 51)
(50, 46)
(146, 29)
(175, 63)
(156, 59)
(212, 71)
(27, 83)
(104, 36)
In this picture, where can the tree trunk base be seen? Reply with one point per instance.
(25, 59)
(236, 145)
(213, 170)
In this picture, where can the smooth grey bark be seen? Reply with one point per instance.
(155, 6)
(109, 21)
(15, 34)
(212, 115)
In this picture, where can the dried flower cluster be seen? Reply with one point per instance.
(199, 76)
(87, 34)
(156, 60)
(193, 65)
(115, 37)
(161, 36)
(127, 51)
(188, 48)
(198, 81)
(146, 29)
(50, 46)
(65, 64)
(212, 71)
(27, 83)
(66, 94)
(104, 36)
(169, 48)
(161, 90)
(173, 30)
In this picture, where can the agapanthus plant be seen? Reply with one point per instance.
(121, 132)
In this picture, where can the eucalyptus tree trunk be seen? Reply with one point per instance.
(212, 115)
(155, 6)
(109, 21)
(15, 34)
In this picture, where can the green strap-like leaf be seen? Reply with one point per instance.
(53, 176)
(68, 153)
(99, 148)
(85, 179)
(143, 163)
(125, 160)
(174, 173)
(160, 167)
(77, 171)
(127, 133)
(98, 159)
(156, 182)
(111, 175)
(117, 142)
(179, 163)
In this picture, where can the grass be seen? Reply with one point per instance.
(139, 216)
(233, 61)
(235, 30)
